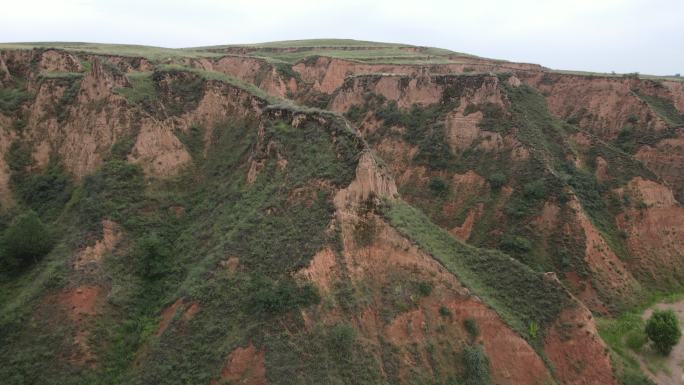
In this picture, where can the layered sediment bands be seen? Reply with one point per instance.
(546, 167)
(601, 105)
(666, 159)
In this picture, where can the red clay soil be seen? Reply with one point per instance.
(80, 305)
(245, 366)
(578, 354)
(167, 316)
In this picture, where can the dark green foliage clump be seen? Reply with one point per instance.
(497, 180)
(179, 90)
(12, 98)
(152, 254)
(26, 241)
(515, 244)
(424, 288)
(663, 329)
(477, 366)
(494, 118)
(471, 327)
(273, 298)
(46, 192)
(285, 70)
(341, 339)
(113, 192)
(630, 138)
(72, 87)
(438, 186)
(18, 156)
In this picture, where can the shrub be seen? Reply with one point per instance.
(46, 192)
(635, 378)
(444, 311)
(341, 340)
(663, 329)
(18, 156)
(11, 99)
(497, 180)
(471, 327)
(535, 190)
(533, 329)
(635, 340)
(26, 240)
(272, 298)
(476, 365)
(516, 244)
(424, 288)
(438, 186)
(152, 255)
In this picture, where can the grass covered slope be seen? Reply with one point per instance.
(525, 299)
(165, 254)
(200, 242)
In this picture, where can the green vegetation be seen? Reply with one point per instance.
(626, 336)
(12, 98)
(663, 108)
(663, 329)
(477, 366)
(47, 191)
(142, 90)
(152, 53)
(517, 293)
(167, 253)
(62, 75)
(25, 241)
(471, 327)
(280, 297)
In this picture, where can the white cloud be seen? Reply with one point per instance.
(599, 35)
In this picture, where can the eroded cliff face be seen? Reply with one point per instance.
(569, 174)
(476, 122)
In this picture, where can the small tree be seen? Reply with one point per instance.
(663, 329)
(152, 254)
(26, 240)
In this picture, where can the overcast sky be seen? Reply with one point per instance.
(644, 36)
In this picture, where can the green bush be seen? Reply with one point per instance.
(516, 244)
(634, 378)
(444, 311)
(663, 329)
(535, 190)
(497, 180)
(272, 298)
(18, 156)
(341, 339)
(476, 365)
(46, 192)
(471, 327)
(26, 240)
(439, 186)
(424, 288)
(12, 98)
(636, 340)
(152, 255)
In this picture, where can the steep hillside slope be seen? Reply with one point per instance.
(328, 212)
